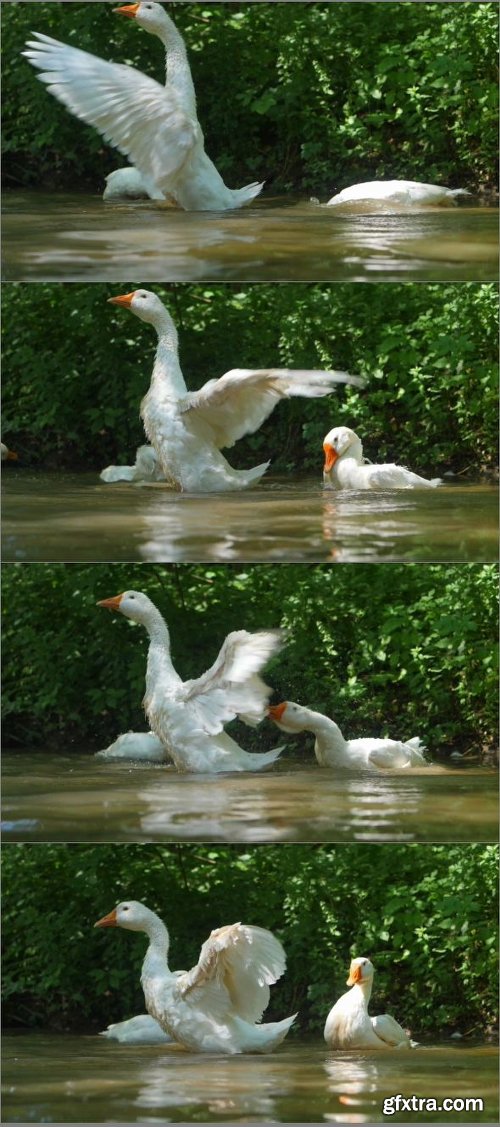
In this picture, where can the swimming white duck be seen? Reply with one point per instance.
(136, 746)
(346, 468)
(155, 126)
(214, 1007)
(139, 1030)
(188, 717)
(332, 750)
(188, 428)
(349, 1026)
(406, 192)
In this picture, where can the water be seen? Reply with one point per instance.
(51, 797)
(67, 1079)
(79, 238)
(62, 516)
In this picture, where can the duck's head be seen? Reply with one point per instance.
(336, 443)
(360, 970)
(133, 604)
(145, 304)
(130, 914)
(287, 715)
(152, 17)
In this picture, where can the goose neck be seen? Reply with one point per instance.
(177, 69)
(167, 374)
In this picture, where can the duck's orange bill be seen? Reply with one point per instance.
(275, 711)
(129, 10)
(122, 299)
(11, 456)
(354, 975)
(330, 457)
(108, 921)
(111, 604)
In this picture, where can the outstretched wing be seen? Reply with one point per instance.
(232, 686)
(236, 967)
(132, 112)
(240, 401)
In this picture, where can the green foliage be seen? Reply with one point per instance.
(323, 95)
(75, 369)
(426, 915)
(398, 649)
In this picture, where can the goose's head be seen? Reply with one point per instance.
(145, 304)
(152, 17)
(337, 442)
(133, 604)
(288, 716)
(360, 970)
(130, 914)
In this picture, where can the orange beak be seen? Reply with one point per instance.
(125, 298)
(330, 457)
(129, 10)
(111, 604)
(275, 711)
(11, 456)
(354, 975)
(108, 921)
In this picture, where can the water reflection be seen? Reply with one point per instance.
(55, 798)
(78, 238)
(64, 1079)
(49, 516)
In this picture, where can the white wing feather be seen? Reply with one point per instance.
(237, 965)
(396, 477)
(240, 401)
(232, 687)
(388, 1030)
(132, 112)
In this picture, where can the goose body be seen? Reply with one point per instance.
(155, 126)
(349, 1025)
(216, 1006)
(145, 468)
(346, 468)
(405, 192)
(140, 1030)
(332, 750)
(136, 746)
(188, 717)
(187, 429)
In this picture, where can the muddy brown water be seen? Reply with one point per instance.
(66, 1079)
(49, 797)
(67, 237)
(63, 516)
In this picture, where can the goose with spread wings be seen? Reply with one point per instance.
(188, 428)
(155, 126)
(217, 1006)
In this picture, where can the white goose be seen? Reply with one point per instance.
(188, 428)
(214, 1007)
(145, 468)
(136, 746)
(346, 468)
(399, 192)
(155, 126)
(139, 1030)
(349, 1025)
(188, 717)
(332, 750)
